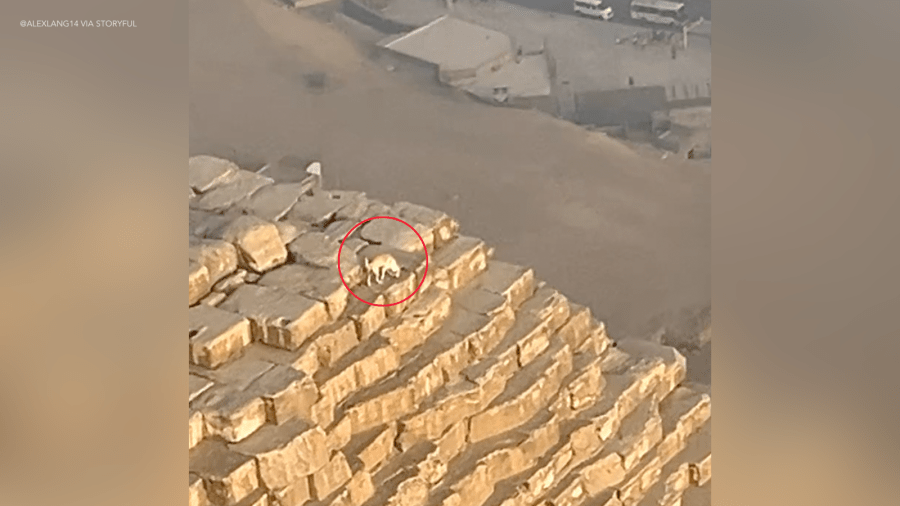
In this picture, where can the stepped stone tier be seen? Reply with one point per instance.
(486, 388)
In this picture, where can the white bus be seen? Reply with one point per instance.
(659, 11)
(594, 9)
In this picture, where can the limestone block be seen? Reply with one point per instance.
(381, 409)
(397, 291)
(259, 497)
(216, 336)
(435, 227)
(334, 341)
(272, 202)
(480, 301)
(213, 299)
(206, 172)
(360, 488)
(423, 317)
(541, 440)
(339, 386)
(452, 441)
(196, 386)
(239, 374)
(379, 449)
(323, 411)
(577, 329)
(332, 476)
(278, 318)
(410, 492)
(391, 233)
(354, 205)
(548, 305)
(222, 197)
(504, 463)
(289, 231)
(515, 283)
(462, 259)
(219, 257)
(230, 413)
(367, 318)
(338, 230)
(196, 491)
(199, 282)
(231, 282)
(196, 428)
(323, 285)
(287, 394)
(257, 241)
(584, 442)
(285, 453)
(203, 224)
(296, 494)
(586, 388)
(383, 360)
(476, 487)
(340, 434)
(315, 249)
(318, 209)
(229, 476)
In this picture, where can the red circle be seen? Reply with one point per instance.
(424, 248)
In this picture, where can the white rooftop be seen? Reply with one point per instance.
(452, 44)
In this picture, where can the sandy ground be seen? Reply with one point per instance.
(624, 233)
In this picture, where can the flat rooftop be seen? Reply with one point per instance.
(452, 44)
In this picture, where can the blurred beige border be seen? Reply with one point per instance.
(805, 248)
(94, 137)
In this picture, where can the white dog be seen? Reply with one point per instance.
(379, 267)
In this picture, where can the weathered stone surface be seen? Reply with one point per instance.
(440, 226)
(391, 233)
(196, 386)
(287, 393)
(196, 428)
(272, 202)
(206, 172)
(196, 491)
(318, 209)
(216, 336)
(367, 318)
(229, 476)
(458, 262)
(516, 284)
(231, 282)
(230, 413)
(285, 453)
(327, 480)
(219, 257)
(424, 315)
(291, 230)
(296, 494)
(319, 284)
(278, 318)
(221, 197)
(258, 243)
(315, 249)
(258, 497)
(373, 451)
(199, 282)
(360, 488)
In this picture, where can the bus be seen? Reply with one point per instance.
(659, 11)
(594, 9)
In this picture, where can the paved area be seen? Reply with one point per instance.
(585, 50)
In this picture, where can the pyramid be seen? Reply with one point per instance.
(461, 380)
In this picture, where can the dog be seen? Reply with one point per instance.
(380, 266)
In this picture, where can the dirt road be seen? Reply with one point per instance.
(626, 234)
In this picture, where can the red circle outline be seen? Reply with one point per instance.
(341, 275)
